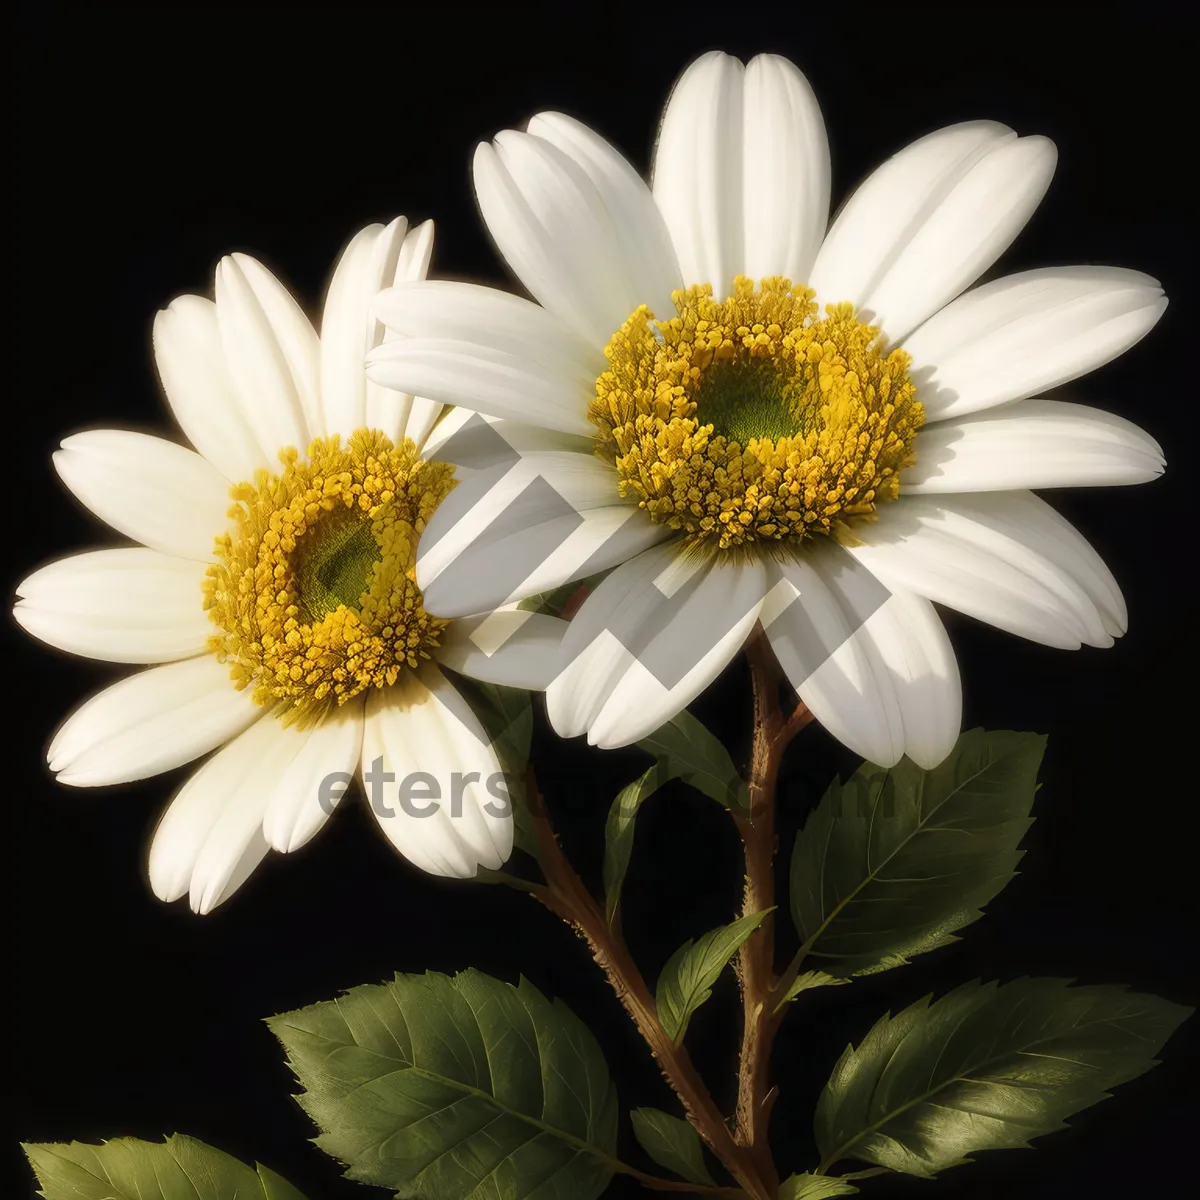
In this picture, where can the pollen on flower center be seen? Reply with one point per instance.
(314, 593)
(750, 419)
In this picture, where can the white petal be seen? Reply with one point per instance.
(930, 220)
(210, 838)
(554, 227)
(697, 173)
(1031, 444)
(296, 338)
(130, 605)
(510, 647)
(272, 391)
(199, 390)
(388, 410)
(785, 175)
(349, 329)
(893, 687)
(532, 520)
(1026, 333)
(637, 225)
(302, 794)
(483, 378)
(648, 640)
(484, 316)
(162, 495)
(965, 553)
(149, 723)
(459, 817)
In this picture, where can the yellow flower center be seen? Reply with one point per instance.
(314, 593)
(751, 420)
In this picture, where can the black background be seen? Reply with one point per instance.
(149, 146)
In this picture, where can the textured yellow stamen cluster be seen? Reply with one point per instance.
(750, 419)
(343, 517)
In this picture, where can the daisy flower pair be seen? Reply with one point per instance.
(744, 419)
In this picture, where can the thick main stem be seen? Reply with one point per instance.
(565, 895)
(756, 961)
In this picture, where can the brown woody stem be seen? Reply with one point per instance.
(756, 960)
(565, 895)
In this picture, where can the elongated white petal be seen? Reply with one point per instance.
(302, 794)
(552, 224)
(967, 553)
(149, 723)
(509, 647)
(483, 378)
(875, 667)
(433, 780)
(533, 519)
(130, 605)
(637, 226)
(484, 316)
(190, 820)
(785, 173)
(1031, 444)
(648, 640)
(930, 221)
(1026, 333)
(697, 173)
(162, 495)
(398, 414)
(272, 391)
(349, 329)
(199, 390)
(297, 340)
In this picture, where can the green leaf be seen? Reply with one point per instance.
(985, 1068)
(686, 750)
(447, 1088)
(687, 979)
(814, 1187)
(807, 980)
(672, 1143)
(181, 1168)
(553, 601)
(894, 861)
(618, 834)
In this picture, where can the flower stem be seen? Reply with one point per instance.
(565, 895)
(756, 959)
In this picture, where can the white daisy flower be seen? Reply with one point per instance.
(299, 645)
(815, 430)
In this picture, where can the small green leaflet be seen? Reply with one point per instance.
(687, 979)
(446, 1088)
(687, 750)
(672, 1142)
(985, 1068)
(181, 1168)
(618, 835)
(806, 981)
(814, 1187)
(894, 861)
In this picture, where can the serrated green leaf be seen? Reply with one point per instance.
(687, 979)
(895, 860)
(807, 980)
(618, 834)
(275, 1187)
(985, 1068)
(814, 1187)
(688, 751)
(181, 1168)
(447, 1088)
(672, 1142)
